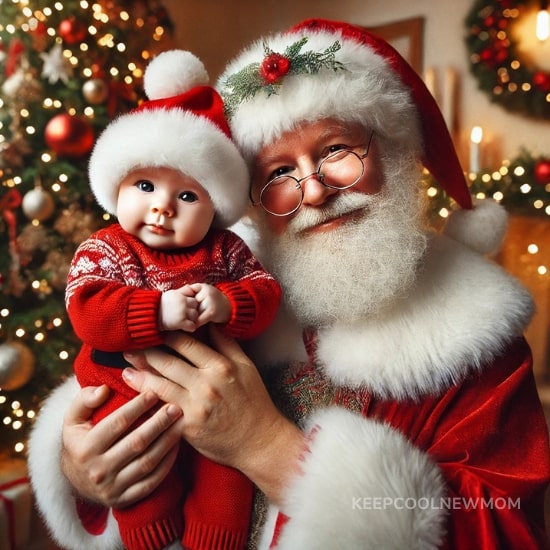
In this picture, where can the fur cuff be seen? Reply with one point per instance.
(363, 485)
(52, 491)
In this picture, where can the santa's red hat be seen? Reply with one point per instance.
(330, 69)
(182, 126)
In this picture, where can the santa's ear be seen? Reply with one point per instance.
(482, 228)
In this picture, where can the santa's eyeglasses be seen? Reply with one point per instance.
(283, 195)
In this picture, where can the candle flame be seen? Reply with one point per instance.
(477, 134)
(543, 25)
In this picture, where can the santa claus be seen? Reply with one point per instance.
(399, 352)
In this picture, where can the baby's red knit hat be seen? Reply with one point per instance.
(183, 127)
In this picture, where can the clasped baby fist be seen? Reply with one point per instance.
(192, 306)
(178, 310)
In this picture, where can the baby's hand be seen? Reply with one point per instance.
(213, 305)
(179, 310)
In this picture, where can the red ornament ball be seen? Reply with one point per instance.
(69, 136)
(541, 80)
(541, 172)
(72, 31)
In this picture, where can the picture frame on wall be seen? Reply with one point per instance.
(406, 36)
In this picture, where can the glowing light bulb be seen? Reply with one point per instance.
(543, 24)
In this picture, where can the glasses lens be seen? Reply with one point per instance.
(341, 169)
(281, 195)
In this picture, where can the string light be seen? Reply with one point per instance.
(515, 185)
(16, 419)
(111, 33)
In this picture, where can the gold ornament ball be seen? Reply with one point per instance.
(16, 365)
(95, 91)
(38, 204)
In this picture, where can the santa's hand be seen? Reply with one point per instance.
(178, 310)
(104, 463)
(213, 305)
(228, 414)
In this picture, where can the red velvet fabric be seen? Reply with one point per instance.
(489, 436)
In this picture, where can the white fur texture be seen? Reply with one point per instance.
(361, 92)
(351, 459)
(463, 311)
(54, 496)
(282, 341)
(482, 228)
(174, 139)
(172, 73)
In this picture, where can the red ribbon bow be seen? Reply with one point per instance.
(8, 203)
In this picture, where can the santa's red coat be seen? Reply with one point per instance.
(425, 426)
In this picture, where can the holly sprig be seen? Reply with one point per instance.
(268, 75)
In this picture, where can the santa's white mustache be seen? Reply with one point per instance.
(340, 205)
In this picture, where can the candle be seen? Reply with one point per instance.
(429, 80)
(448, 103)
(543, 25)
(475, 144)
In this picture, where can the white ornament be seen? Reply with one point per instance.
(14, 83)
(38, 204)
(22, 85)
(56, 66)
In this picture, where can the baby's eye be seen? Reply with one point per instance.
(146, 186)
(188, 196)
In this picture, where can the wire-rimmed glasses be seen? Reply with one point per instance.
(283, 195)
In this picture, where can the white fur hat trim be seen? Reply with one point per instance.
(176, 131)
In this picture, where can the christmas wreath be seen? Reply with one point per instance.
(510, 80)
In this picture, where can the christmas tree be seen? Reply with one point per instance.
(66, 69)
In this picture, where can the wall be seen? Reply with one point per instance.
(216, 31)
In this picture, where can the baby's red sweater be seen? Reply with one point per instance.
(113, 293)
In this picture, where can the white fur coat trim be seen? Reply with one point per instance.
(363, 486)
(461, 314)
(52, 491)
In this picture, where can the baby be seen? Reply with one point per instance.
(175, 181)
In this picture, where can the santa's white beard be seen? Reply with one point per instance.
(355, 270)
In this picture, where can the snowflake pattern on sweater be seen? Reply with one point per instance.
(113, 274)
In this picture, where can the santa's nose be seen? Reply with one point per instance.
(315, 193)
